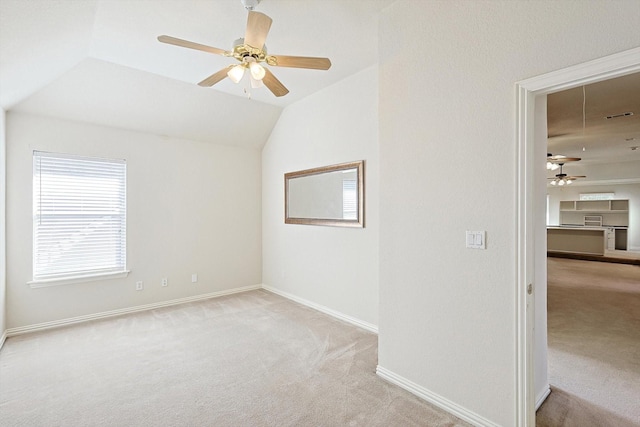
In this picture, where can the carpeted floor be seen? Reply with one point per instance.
(257, 359)
(594, 344)
(250, 359)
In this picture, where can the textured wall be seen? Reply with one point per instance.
(447, 164)
(191, 208)
(333, 267)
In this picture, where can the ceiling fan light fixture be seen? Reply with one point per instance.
(257, 71)
(236, 73)
(552, 166)
(255, 84)
(562, 179)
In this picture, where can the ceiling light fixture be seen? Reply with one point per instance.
(554, 161)
(551, 164)
(236, 72)
(257, 71)
(562, 179)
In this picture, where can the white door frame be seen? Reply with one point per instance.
(612, 66)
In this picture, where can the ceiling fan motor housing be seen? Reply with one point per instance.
(242, 50)
(250, 4)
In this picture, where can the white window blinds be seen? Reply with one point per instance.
(349, 199)
(79, 216)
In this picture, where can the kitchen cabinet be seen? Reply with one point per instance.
(595, 213)
(611, 216)
(611, 238)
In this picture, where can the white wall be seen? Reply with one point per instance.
(622, 191)
(333, 267)
(191, 208)
(447, 164)
(3, 308)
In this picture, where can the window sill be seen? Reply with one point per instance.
(76, 279)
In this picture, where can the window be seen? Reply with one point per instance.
(349, 199)
(597, 196)
(79, 217)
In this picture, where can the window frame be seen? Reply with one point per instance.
(119, 269)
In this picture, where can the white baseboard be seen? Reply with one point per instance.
(357, 322)
(542, 396)
(436, 399)
(3, 338)
(113, 313)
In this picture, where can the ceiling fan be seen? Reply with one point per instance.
(553, 161)
(562, 178)
(251, 52)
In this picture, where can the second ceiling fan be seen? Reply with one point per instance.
(251, 52)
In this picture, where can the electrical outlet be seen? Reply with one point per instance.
(165, 282)
(139, 286)
(194, 278)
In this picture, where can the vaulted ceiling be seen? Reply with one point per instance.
(99, 61)
(597, 122)
(600, 124)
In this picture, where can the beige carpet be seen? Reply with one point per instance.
(251, 359)
(594, 344)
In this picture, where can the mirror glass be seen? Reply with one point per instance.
(329, 195)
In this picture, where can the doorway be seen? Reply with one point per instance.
(531, 227)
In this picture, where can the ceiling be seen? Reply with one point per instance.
(58, 57)
(99, 61)
(600, 139)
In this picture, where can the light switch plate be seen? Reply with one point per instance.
(476, 239)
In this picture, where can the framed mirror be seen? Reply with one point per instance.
(329, 195)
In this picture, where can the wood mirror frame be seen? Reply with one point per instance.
(309, 196)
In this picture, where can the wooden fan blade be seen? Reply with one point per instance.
(274, 85)
(258, 25)
(191, 45)
(214, 78)
(299, 62)
(575, 177)
(562, 159)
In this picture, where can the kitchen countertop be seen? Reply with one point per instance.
(577, 227)
(582, 227)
